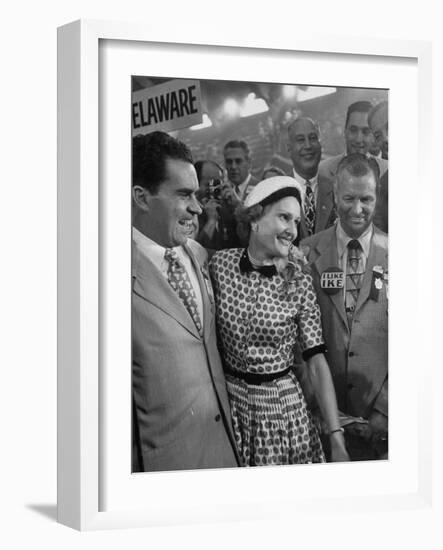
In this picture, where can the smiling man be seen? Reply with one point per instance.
(358, 139)
(181, 417)
(378, 122)
(350, 268)
(304, 148)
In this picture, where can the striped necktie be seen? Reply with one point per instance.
(180, 282)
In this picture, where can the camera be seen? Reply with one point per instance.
(214, 189)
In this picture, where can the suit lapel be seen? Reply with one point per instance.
(149, 283)
(377, 256)
(303, 229)
(327, 258)
(203, 281)
(325, 203)
(249, 187)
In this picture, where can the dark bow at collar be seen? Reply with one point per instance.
(246, 266)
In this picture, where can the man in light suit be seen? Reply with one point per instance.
(354, 307)
(181, 416)
(305, 150)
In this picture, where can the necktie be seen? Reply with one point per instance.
(179, 281)
(237, 191)
(309, 208)
(354, 276)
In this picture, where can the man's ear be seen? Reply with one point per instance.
(335, 189)
(141, 197)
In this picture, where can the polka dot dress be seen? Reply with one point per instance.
(259, 324)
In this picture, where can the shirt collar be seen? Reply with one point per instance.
(242, 186)
(343, 240)
(150, 249)
(302, 181)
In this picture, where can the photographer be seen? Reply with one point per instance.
(218, 201)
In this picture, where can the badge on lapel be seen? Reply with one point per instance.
(332, 280)
(379, 277)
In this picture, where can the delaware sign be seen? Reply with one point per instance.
(170, 106)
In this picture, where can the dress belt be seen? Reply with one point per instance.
(256, 379)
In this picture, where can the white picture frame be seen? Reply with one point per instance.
(84, 209)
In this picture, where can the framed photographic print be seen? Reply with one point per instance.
(120, 462)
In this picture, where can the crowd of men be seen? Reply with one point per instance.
(343, 232)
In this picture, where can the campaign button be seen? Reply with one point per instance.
(332, 280)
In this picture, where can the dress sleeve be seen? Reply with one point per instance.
(309, 320)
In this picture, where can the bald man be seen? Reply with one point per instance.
(304, 148)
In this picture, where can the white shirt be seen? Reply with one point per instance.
(302, 183)
(342, 247)
(242, 188)
(156, 254)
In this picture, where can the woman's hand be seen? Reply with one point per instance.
(324, 392)
(338, 448)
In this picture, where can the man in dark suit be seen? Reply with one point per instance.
(218, 226)
(305, 150)
(378, 123)
(359, 138)
(238, 167)
(349, 265)
(180, 407)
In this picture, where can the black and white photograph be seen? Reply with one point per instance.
(259, 274)
(200, 316)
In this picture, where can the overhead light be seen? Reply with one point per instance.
(253, 106)
(231, 107)
(314, 91)
(206, 123)
(289, 92)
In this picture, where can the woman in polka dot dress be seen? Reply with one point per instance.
(266, 305)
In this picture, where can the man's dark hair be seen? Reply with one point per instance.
(358, 165)
(149, 156)
(358, 107)
(199, 167)
(237, 144)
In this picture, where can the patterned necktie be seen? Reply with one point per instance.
(309, 208)
(179, 280)
(354, 276)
